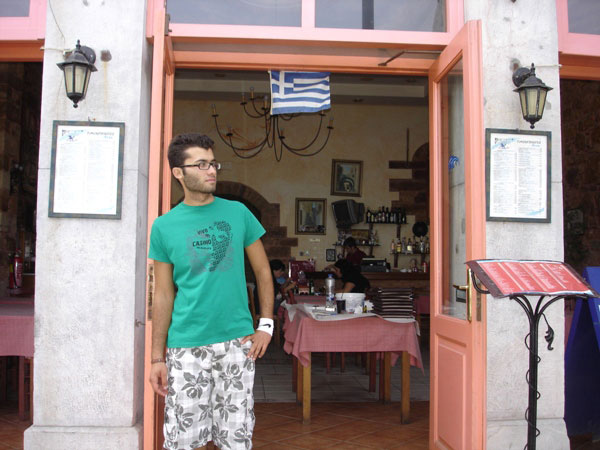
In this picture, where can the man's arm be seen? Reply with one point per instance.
(264, 280)
(162, 308)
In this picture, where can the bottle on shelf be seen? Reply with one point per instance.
(393, 247)
(409, 246)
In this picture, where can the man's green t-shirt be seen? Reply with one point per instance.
(206, 245)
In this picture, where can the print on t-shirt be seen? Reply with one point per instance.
(210, 248)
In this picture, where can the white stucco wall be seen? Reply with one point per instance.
(90, 288)
(522, 32)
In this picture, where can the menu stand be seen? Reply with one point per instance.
(517, 280)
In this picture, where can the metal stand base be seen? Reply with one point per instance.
(534, 315)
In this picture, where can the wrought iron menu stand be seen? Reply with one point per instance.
(550, 281)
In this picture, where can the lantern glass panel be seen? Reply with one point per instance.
(542, 102)
(68, 78)
(523, 101)
(532, 99)
(80, 78)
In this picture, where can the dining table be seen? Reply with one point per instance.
(306, 332)
(16, 339)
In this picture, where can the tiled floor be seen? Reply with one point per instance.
(273, 382)
(11, 428)
(344, 414)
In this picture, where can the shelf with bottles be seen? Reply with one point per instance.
(385, 215)
(410, 246)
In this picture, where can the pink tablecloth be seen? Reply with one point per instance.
(304, 335)
(16, 329)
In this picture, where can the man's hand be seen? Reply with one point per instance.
(260, 342)
(158, 378)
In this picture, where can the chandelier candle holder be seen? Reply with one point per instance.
(274, 133)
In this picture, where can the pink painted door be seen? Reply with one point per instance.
(457, 408)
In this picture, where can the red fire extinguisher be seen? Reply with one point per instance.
(15, 273)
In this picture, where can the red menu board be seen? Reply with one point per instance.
(504, 277)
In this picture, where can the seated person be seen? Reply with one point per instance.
(353, 254)
(352, 280)
(281, 285)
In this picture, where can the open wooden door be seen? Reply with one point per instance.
(159, 201)
(457, 414)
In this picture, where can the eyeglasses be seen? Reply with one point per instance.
(204, 165)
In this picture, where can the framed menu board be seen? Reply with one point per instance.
(86, 170)
(518, 175)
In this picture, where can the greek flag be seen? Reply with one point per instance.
(299, 92)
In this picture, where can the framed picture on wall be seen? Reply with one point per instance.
(330, 254)
(310, 215)
(346, 178)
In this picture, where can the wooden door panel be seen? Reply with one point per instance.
(452, 361)
(457, 174)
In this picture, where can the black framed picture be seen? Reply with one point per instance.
(518, 175)
(330, 254)
(86, 169)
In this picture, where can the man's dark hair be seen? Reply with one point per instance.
(350, 242)
(276, 264)
(180, 143)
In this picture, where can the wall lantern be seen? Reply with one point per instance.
(532, 93)
(77, 69)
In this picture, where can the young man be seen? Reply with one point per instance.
(200, 310)
(353, 254)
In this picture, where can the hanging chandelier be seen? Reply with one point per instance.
(274, 136)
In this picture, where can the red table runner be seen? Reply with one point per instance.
(304, 335)
(16, 329)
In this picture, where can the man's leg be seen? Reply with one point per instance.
(188, 415)
(232, 397)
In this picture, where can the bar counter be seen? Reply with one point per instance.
(419, 281)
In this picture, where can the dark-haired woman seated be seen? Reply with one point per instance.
(280, 289)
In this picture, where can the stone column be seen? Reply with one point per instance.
(90, 288)
(518, 34)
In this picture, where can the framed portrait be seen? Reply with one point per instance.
(310, 215)
(346, 177)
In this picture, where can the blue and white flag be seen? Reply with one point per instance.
(299, 92)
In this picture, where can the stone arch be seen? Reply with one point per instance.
(276, 241)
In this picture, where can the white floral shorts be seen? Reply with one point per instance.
(210, 396)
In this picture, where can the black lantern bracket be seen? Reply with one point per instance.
(77, 68)
(532, 93)
(534, 311)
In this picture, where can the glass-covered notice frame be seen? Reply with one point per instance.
(518, 175)
(86, 170)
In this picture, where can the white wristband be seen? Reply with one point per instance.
(265, 325)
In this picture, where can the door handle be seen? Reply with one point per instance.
(467, 289)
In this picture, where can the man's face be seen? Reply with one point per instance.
(197, 180)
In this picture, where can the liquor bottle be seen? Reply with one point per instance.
(392, 247)
(409, 246)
